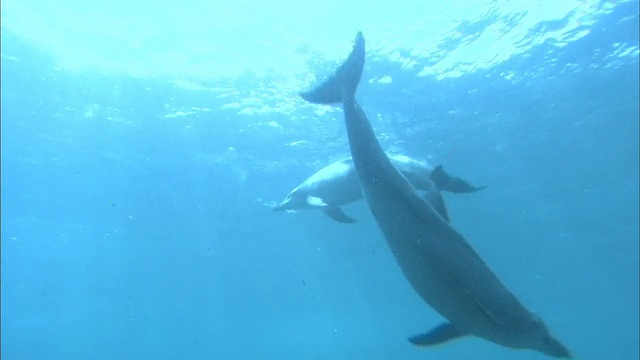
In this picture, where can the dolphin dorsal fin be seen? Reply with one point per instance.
(446, 182)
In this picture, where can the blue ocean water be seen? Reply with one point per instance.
(143, 147)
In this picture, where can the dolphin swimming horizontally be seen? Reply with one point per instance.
(438, 262)
(337, 184)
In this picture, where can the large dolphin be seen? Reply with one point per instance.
(337, 184)
(438, 262)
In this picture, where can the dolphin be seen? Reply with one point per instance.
(438, 262)
(337, 184)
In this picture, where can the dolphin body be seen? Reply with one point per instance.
(337, 184)
(438, 262)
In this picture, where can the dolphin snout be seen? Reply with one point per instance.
(281, 206)
(555, 348)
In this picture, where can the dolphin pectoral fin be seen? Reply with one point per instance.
(316, 202)
(336, 214)
(438, 335)
(434, 198)
(446, 182)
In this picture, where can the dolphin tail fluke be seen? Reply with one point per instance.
(344, 82)
(446, 182)
(438, 335)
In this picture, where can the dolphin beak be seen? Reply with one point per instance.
(554, 348)
(281, 206)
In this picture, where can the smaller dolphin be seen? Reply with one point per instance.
(337, 184)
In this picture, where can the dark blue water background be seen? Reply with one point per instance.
(130, 235)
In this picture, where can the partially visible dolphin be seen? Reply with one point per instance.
(337, 184)
(438, 262)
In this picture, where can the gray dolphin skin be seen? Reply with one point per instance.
(337, 184)
(438, 262)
